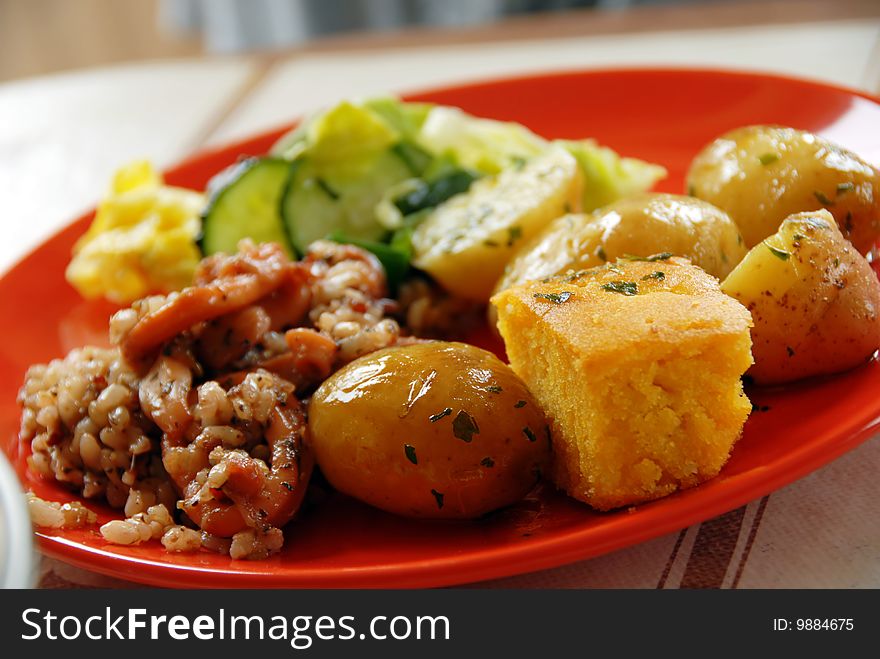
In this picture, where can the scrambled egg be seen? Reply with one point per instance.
(142, 240)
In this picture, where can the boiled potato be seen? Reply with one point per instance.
(762, 174)
(815, 301)
(429, 430)
(466, 242)
(642, 225)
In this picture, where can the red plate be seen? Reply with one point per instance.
(664, 116)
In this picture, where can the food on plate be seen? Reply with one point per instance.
(197, 406)
(434, 429)
(155, 523)
(608, 177)
(279, 323)
(762, 174)
(366, 173)
(466, 242)
(86, 430)
(142, 240)
(244, 202)
(54, 515)
(642, 224)
(637, 366)
(814, 299)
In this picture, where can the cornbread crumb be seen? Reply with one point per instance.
(637, 366)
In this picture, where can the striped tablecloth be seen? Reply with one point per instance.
(73, 130)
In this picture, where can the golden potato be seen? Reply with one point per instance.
(430, 430)
(641, 225)
(814, 299)
(762, 174)
(466, 241)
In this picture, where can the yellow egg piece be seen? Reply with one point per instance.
(142, 240)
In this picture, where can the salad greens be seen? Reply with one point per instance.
(368, 172)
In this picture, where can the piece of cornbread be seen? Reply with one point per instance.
(637, 365)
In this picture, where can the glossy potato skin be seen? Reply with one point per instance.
(762, 174)
(381, 431)
(815, 301)
(641, 225)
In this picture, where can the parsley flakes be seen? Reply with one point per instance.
(780, 254)
(556, 298)
(436, 417)
(628, 288)
(464, 427)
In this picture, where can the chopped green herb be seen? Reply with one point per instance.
(436, 417)
(798, 236)
(844, 187)
(739, 239)
(490, 243)
(487, 462)
(778, 253)
(613, 268)
(556, 298)
(438, 497)
(723, 257)
(622, 287)
(529, 434)
(513, 234)
(600, 252)
(519, 404)
(662, 256)
(790, 351)
(494, 388)
(566, 207)
(574, 276)
(464, 427)
(823, 198)
(767, 158)
(816, 223)
(659, 276)
(692, 191)
(330, 192)
(518, 162)
(410, 452)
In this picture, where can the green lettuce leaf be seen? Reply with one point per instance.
(607, 176)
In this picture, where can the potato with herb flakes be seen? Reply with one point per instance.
(642, 225)
(762, 174)
(466, 241)
(814, 299)
(435, 429)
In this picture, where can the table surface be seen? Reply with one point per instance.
(66, 134)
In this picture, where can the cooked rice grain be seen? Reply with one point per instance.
(54, 515)
(83, 420)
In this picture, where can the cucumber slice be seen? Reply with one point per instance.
(317, 203)
(245, 205)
